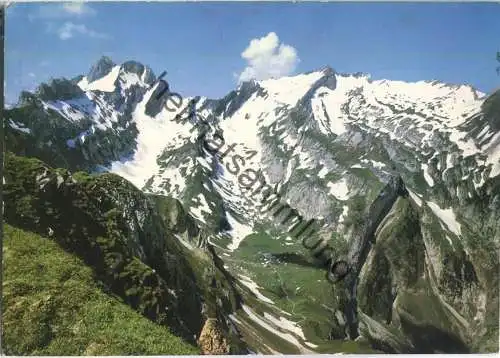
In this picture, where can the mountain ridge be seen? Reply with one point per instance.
(328, 143)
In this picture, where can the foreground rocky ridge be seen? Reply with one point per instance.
(129, 241)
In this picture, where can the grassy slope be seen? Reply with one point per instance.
(53, 305)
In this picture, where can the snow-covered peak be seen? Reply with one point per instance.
(106, 76)
(455, 101)
(290, 89)
(144, 73)
(100, 69)
(104, 84)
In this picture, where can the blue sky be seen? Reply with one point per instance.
(201, 44)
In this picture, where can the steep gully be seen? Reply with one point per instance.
(361, 243)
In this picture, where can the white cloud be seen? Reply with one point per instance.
(267, 58)
(32, 75)
(69, 30)
(78, 8)
(61, 11)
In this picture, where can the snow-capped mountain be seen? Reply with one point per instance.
(297, 130)
(327, 143)
(83, 125)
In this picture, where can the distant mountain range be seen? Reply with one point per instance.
(327, 143)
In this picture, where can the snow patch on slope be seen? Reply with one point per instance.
(154, 135)
(339, 189)
(266, 325)
(288, 90)
(427, 176)
(288, 325)
(415, 197)
(254, 288)
(239, 232)
(331, 101)
(19, 127)
(492, 149)
(447, 216)
(104, 84)
(198, 211)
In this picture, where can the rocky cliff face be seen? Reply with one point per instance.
(100, 69)
(328, 144)
(212, 341)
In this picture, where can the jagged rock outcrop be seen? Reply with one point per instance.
(228, 105)
(212, 341)
(58, 89)
(490, 109)
(100, 69)
(140, 70)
